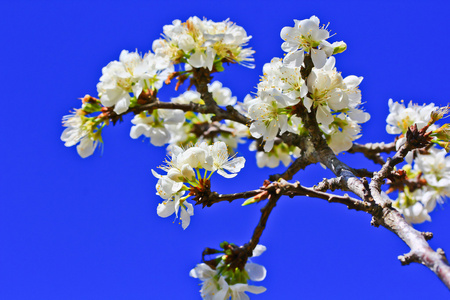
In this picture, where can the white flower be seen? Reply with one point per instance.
(86, 147)
(131, 74)
(155, 126)
(202, 59)
(410, 206)
(272, 159)
(217, 287)
(267, 113)
(342, 133)
(166, 188)
(197, 157)
(292, 84)
(306, 35)
(74, 131)
(415, 213)
(201, 41)
(169, 207)
(222, 162)
(78, 132)
(272, 76)
(326, 88)
(210, 285)
(222, 95)
(435, 167)
(187, 97)
(400, 118)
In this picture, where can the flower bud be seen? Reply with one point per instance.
(339, 47)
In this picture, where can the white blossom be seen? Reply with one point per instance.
(268, 116)
(216, 286)
(204, 42)
(414, 212)
(342, 133)
(131, 74)
(210, 285)
(400, 118)
(272, 159)
(271, 76)
(435, 167)
(156, 126)
(175, 205)
(222, 95)
(306, 35)
(330, 92)
(79, 132)
(187, 97)
(222, 162)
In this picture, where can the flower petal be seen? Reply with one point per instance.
(255, 271)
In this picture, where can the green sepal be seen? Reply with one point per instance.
(219, 66)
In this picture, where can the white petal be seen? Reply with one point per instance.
(324, 115)
(165, 209)
(259, 249)
(138, 130)
(185, 218)
(255, 271)
(234, 165)
(86, 147)
(210, 56)
(268, 145)
(197, 60)
(122, 105)
(159, 136)
(319, 58)
(294, 59)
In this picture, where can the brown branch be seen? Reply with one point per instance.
(330, 184)
(326, 156)
(391, 219)
(372, 150)
(299, 164)
(201, 78)
(295, 189)
(215, 197)
(382, 213)
(414, 139)
(265, 213)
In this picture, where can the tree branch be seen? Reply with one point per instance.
(372, 150)
(385, 215)
(391, 219)
(265, 213)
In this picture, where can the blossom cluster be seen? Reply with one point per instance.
(174, 127)
(83, 130)
(128, 77)
(428, 171)
(284, 88)
(431, 173)
(183, 174)
(204, 43)
(221, 283)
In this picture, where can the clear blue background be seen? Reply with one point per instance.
(73, 228)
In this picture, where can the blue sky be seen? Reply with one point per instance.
(74, 228)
